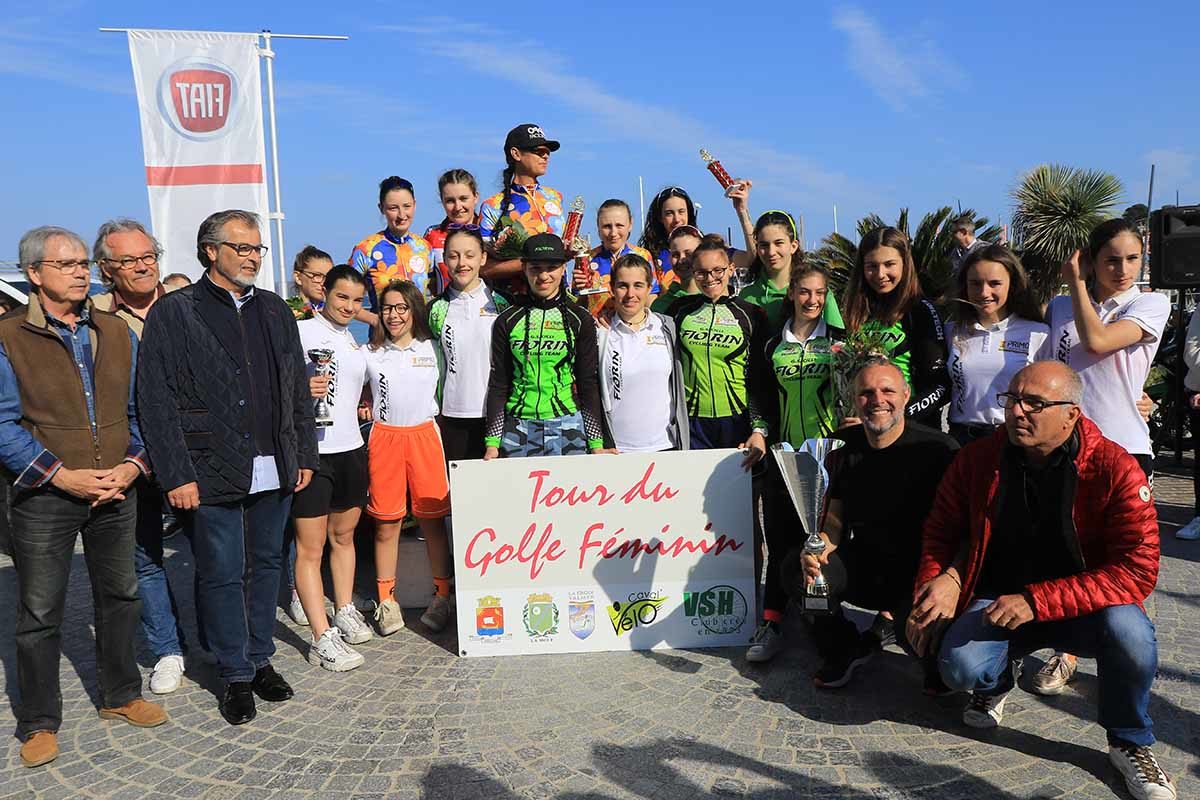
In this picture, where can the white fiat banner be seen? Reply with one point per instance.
(628, 552)
(200, 99)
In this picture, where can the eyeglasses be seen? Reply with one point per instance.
(1032, 405)
(394, 308)
(245, 250)
(712, 274)
(71, 265)
(311, 275)
(129, 262)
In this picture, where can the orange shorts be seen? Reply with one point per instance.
(404, 464)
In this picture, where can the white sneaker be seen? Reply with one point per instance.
(438, 613)
(984, 711)
(1143, 776)
(333, 654)
(766, 644)
(388, 617)
(167, 675)
(352, 625)
(295, 610)
(1052, 678)
(1189, 532)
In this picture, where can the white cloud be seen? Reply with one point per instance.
(901, 69)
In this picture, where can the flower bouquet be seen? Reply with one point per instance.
(510, 238)
(849, 357)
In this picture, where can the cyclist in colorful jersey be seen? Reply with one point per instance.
(395, 253)
(673, 207)
(406, 463)
(682, 242)
(777, 254)
(884, 302)
(328, 509)
(461, 321)
(801, 358)
(460, 197)
(523, 199)
(614, 220)
(641, 380)
(995, 330)
(543, 347)
(722, 340)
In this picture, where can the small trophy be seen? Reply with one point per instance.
(582, 248)
(718, 171)
(574, 220)
(321, 410)
(806, 479)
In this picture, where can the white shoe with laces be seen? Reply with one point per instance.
(295, 610)
(388, 617)
(984, 711)
(1143, 776)
(766, 644)
(167, 675)
(1189, 532)
(1054, 675)
(332, 653)
(353, 626)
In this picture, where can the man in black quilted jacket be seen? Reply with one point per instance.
(228, 420)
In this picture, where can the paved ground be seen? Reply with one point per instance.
(418, 722)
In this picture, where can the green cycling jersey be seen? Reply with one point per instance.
(721, 349)
(803, 374)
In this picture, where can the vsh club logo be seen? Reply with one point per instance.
(198, 97)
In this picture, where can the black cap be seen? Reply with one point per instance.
(528, 136)
(544, 247)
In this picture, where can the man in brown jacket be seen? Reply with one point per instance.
(69, 436)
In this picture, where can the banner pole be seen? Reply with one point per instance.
(277, 215)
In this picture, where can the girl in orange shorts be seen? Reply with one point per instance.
(406, 463)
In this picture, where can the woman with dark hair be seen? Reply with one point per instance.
(395, 253)
(673, 207)
(523, 200)
(995, 330)
(777, 253)
(884, 303)
(406, 463)
(681, 243)
(460, 196)
(1108, 331)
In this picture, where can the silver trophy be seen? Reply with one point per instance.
(807, 480)
(321, 407)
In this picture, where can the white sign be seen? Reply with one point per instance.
(200, 99)
(586, 553)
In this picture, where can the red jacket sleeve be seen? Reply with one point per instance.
(948, 524)
(1122, 567)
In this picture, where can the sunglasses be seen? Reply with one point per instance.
(682, 230)
(462, 226)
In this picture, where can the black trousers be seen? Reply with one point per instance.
(462, 437)
(783, 530)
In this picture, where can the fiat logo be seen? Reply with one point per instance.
(198, 98)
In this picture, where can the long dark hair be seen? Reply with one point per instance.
(654, 233)
(784, 219)
(416, 303)
(1021, 300)
(862, 303)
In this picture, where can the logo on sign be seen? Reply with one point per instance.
(540, 616)
(197, 97)
(641, 609)
(581, 608)
(721, 609)
(489, 617)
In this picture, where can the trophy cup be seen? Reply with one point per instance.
(574, 220)
(321, 410)
(718, 171)
(806, 479)
(582, 248)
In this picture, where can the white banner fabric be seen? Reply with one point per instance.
(583, 554)
(200, 101)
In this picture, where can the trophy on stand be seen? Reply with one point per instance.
(581, 246)
(807, 480)
(321, 410)
(574, 220)
(718, 171)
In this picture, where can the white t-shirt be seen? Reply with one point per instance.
(347, 374)
(637, 385)
(1112, 383)
(404, 383)
(466, 341)
(983, 362)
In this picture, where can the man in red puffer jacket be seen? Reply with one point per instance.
(1044, 535)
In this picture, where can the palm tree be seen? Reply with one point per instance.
(1056, 208)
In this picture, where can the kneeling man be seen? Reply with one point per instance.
(1044, 535)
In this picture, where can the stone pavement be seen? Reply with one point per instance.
(417, 722)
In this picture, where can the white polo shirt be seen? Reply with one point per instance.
(636, 385)
(404, 383)
(466, 341)
(1112, 383)
(347, 374)
(982, 363)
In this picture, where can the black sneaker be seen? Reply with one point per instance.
(884, 630)
(836, 672)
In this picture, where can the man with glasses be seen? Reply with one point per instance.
(1045, 535)
(69, 433)
(128, 259)
(228, 419)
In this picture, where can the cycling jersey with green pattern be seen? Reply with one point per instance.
(804, 375)
(716, 354)
(895, 343)
(542, 347)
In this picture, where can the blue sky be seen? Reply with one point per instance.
(869, 106)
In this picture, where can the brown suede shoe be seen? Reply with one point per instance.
(139, 713)
(40, 748)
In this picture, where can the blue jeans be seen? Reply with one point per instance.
(45, 524)
(160, 615)
(975, 654)
(238, 549)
